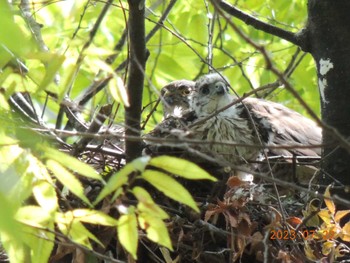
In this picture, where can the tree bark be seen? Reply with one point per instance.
(137, 61)
(328, 34)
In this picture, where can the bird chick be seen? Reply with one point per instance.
(251, 122)
(175, 98)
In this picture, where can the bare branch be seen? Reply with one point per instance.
(269, 66)
(260, 25)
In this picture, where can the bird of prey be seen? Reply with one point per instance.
(175, 98)
(252, 122)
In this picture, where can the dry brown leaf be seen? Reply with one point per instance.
(294, 221)
(234, 181)
(232, 219)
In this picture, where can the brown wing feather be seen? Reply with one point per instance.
(284, 127)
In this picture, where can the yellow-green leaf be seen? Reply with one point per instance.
(309, 251)
(8, 224)
(170, 187)
(312, 208)
(45, 195)
(53, 65)
(74, 229)
(43, 244)
(340, 214)
(181, 168)
(4, 104)
(40, 242)
(67, 179)
(34, 216)
(118, 90)
(328, 201)
(156, 229)
(16, 250)
(71, 163)
(94, 217)
(326, 216)
(147, 205)
(121, 177)
(345, 233)
(117, 180)
(12, 37)
(328, 247)
(128, 233)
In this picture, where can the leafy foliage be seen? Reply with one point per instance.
(38, 181)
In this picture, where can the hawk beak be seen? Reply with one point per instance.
(220, 89)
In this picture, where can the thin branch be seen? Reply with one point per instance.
(210, 28)
(258, 24)
(161, 20)
(269, 66)
(94, 128)
(95, 87)
(175, 142)
(80, 59)
(81, 19)
(33, 25)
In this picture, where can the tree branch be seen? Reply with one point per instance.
(97, 86)
(295, 38)
(136, 26)
(269, 66)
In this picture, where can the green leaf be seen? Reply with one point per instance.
(121, 177)
(42, 244)
(11, 234)
(116, 85)
(94, 217)
(4, 106)
(147, 205)
(156, 229)
(170, 187)
(34, 231)
(118, 91)
(117, 180)
(181, 168)
(16, 250)
(12, 37)
(34, 216)
(71, 163)
(74, 229)
(54, 63)
(128, 233)
(45, 195)
(67, 179)
(8, 156)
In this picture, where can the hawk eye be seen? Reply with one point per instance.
(205, 90)
(184, 90)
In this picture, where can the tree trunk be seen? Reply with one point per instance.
(329, 43)
(137, 61)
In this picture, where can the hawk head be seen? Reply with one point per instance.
(211, 93)
(175, 97)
